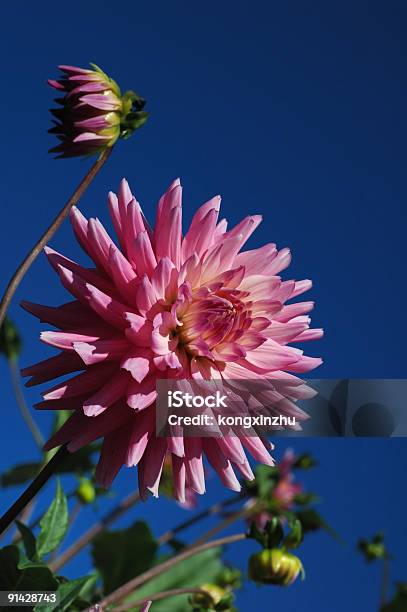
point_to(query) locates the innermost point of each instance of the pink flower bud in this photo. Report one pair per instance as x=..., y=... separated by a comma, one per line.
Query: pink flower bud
x=92, y=114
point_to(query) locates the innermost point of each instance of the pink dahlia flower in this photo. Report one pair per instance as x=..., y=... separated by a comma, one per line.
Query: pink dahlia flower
x=162, y=305
x=93, y=114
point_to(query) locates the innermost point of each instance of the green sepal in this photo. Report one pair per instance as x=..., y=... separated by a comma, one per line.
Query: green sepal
x=295, y=535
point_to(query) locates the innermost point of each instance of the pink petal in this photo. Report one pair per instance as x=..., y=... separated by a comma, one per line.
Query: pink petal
x=83, y=383
x=257, y=449
x=142, y=431
x=178, y=475
x=93, y=428
x=112, y=456
x=109, y=309
x=137, y=362
x=61, y=364
x=200, y=234
x=113, y=390
x=141, y=395
x=151, y=465
x=122, y=272
x=168, y=229
x=270, y=356
x=310, y=334
x=65, y=340
x=293, y=310
x=304, y=364
x=143, y=257
x=194, y=465
x=221, y=465
x=89, y=276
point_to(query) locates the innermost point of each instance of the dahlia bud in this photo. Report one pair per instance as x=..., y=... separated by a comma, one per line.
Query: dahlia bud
x=86, y=491
x=373, y=549
x=275, y=566
x=93, y=113
x=212, y=594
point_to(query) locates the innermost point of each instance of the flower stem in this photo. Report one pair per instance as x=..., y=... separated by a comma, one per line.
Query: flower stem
x=159, y=597
x=37, y=248
x=211, y=511
x=31, y=424
x=242, y=513
x=93, y=531
x=38, y=482
x=385, y=581
x=134, y=583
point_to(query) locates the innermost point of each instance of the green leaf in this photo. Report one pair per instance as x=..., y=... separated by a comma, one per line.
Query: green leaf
x=121, y=555
x=199, y=569
x=311, y=520
x=265, y=482
x=53, y=524
x=67, y=593
x=26, y=576
x=20, y=474
x=29, y=542
x=9, y=557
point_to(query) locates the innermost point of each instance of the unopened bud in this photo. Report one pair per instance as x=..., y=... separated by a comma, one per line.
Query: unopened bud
x=275, y=566
x=92, y=112
x=86, y=491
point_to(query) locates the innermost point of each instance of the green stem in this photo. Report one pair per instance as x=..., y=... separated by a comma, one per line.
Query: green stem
x=242, y=513
x=385, y=581
x=26, y=414
x=46, y=237
x=30, y=492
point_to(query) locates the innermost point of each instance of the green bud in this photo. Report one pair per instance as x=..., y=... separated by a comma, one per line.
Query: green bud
x=275, y=566
x=374, y=549
x=86, y=491
x=211, y=596
x=305, y=462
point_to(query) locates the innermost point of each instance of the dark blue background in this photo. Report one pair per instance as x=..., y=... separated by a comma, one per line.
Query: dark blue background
x=293, y=110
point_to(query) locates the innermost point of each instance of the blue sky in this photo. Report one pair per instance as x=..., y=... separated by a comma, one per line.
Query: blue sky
x=285, y=109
